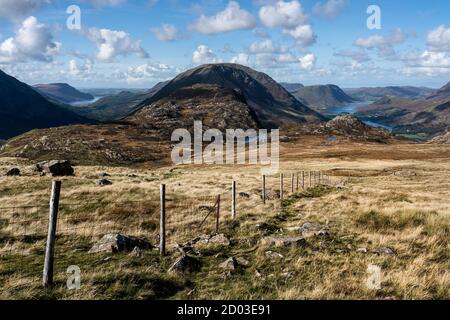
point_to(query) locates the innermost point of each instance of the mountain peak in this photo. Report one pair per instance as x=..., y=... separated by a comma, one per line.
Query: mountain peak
x=62, y=93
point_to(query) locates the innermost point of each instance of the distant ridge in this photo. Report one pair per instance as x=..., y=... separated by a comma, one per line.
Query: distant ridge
x=321, y=97
x=62, y=93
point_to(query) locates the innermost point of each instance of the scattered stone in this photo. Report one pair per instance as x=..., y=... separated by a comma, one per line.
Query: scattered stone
x=103, y=182
x=405, y=173
x=243, y=262
x=220, y=240
x=230, y=264
x=362, y=250
x=14, y=172
x=383, y=250
x=274, y=255
x=55, y=168
x=103, y=175
x=288, y=275
x=265, y=227
x=186, y=264
x=137, y=252
x=116, y=242
x=244, y=195
x=272, y=195
x=283, y=242
x=311, y=229
x=131, y=175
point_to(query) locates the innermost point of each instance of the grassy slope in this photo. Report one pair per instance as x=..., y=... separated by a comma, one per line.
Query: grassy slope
x=367, y=206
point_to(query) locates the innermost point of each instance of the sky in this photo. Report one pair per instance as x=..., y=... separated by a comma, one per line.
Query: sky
x=136, y=44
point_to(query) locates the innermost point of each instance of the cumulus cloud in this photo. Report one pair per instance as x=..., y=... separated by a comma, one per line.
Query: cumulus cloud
x=111, y=43
x=241, y=58
x=231, y=19
x=32, y=41
x=439, y=39
x=384, y=45
x=203, y=55
x=83, y=70
x=150, y=71
x=266, y=46
x=330, y=9
x=18, y=9
x=429, y=63
x=283, y=14
x=358, y=56
x=308, y=61
x=303, y=34
x=167, y=32
x=105, y=3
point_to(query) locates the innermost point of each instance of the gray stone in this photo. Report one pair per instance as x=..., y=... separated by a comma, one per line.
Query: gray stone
x=220, y=240
x=244, y=195
x=274, y=255
x=116, y=242
x=103, y=182
x=283, y=242
x=231, y=264
x=186, y=264
x=55, y=168
x=311, y=229
x=383, y=250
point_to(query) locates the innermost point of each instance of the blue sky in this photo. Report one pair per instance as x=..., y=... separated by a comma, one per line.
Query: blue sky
x=124, y=43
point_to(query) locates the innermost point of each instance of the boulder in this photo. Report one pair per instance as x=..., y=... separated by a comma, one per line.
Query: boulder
x=230, y=264
x=116, y=242
x=103, y=175
x=311, y=229
x=272, y=195
x=266, y=227
x=219, y=239
x=383, y=250
x=103, y=182
x=186, y=264
x=274, y=255
x=14, y=172
x=244, y=195
x=278, y=242
x=55, y=168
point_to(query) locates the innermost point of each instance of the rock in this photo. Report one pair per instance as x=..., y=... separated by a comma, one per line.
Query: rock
x=116, y=242
x=103, y=175
x=220, y=240
x=266, y=227
x=362, y=250
x=14, y=172
x=272, y=195
x=405, y=173
x=311, y=229
x=103, y=182
x=274, y=255
x=55, y=168
x=383, y=250
x=137, y=252
x=283, y=242
x=230, y=264
x=244, y=195
x=186, y=264
x=243, y=262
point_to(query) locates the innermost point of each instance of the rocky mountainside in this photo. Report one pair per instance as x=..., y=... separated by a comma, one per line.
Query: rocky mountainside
x=291, y=87
x=62, y=93
x=442, y=94
x=441, y=139
x=273, y=105
x=23, y=109
x=375, y=93
x=322, y=97
x=351, y=126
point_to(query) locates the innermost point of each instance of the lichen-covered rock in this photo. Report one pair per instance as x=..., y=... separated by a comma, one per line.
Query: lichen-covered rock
x=116, y=242
x=283, y=242
x=55, y=168
x=186, y=264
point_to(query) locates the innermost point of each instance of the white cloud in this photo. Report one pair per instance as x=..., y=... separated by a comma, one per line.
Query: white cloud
x=439, y=39
x=241, y=58
x=329, y=9
x=357, y=56
x=32, y=41
x=303, y=34
x=308, y=61
x=82, y=71
x=430, y=63
x=105, y=3
x=266, y=46
x=384, y=45
x=167, y=32
x=111, y=43
x=231, y=19
x=18, y=9
x=203, y=55
x=283, y=14
x=150, y=71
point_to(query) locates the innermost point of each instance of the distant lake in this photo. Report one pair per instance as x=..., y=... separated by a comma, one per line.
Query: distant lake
x=85, y=102
x=352, y=108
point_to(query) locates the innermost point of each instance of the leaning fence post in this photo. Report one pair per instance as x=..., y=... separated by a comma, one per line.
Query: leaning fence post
x=233, y=200
x=47, y=280
x=264, y=189
x=281, y=186
x=303, y=180
x=218, y=213
x=162, y=221
x=298, y=181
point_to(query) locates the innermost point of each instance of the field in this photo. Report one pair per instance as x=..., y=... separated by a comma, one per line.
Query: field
x=379, y=196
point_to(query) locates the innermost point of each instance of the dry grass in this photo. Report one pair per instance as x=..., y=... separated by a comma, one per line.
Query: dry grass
x=366, y=206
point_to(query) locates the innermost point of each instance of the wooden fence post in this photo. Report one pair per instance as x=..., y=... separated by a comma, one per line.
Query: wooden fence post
x=264, y=189
x=218, y=214
x=310, y=179
x=162, y=221
x=47, y=280
x=281, y=186
x=292, y=183
x=233, y=200
x=303, y=180
x=298, y=182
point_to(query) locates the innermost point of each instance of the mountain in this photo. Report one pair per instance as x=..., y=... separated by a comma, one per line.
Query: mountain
x=321, y=97
x=116, y=106
x=62, y=93
x=291, y=87
x=441, y=94
x=273, y=105
x=375, y=93
x=441, y=139
x=23, y=109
